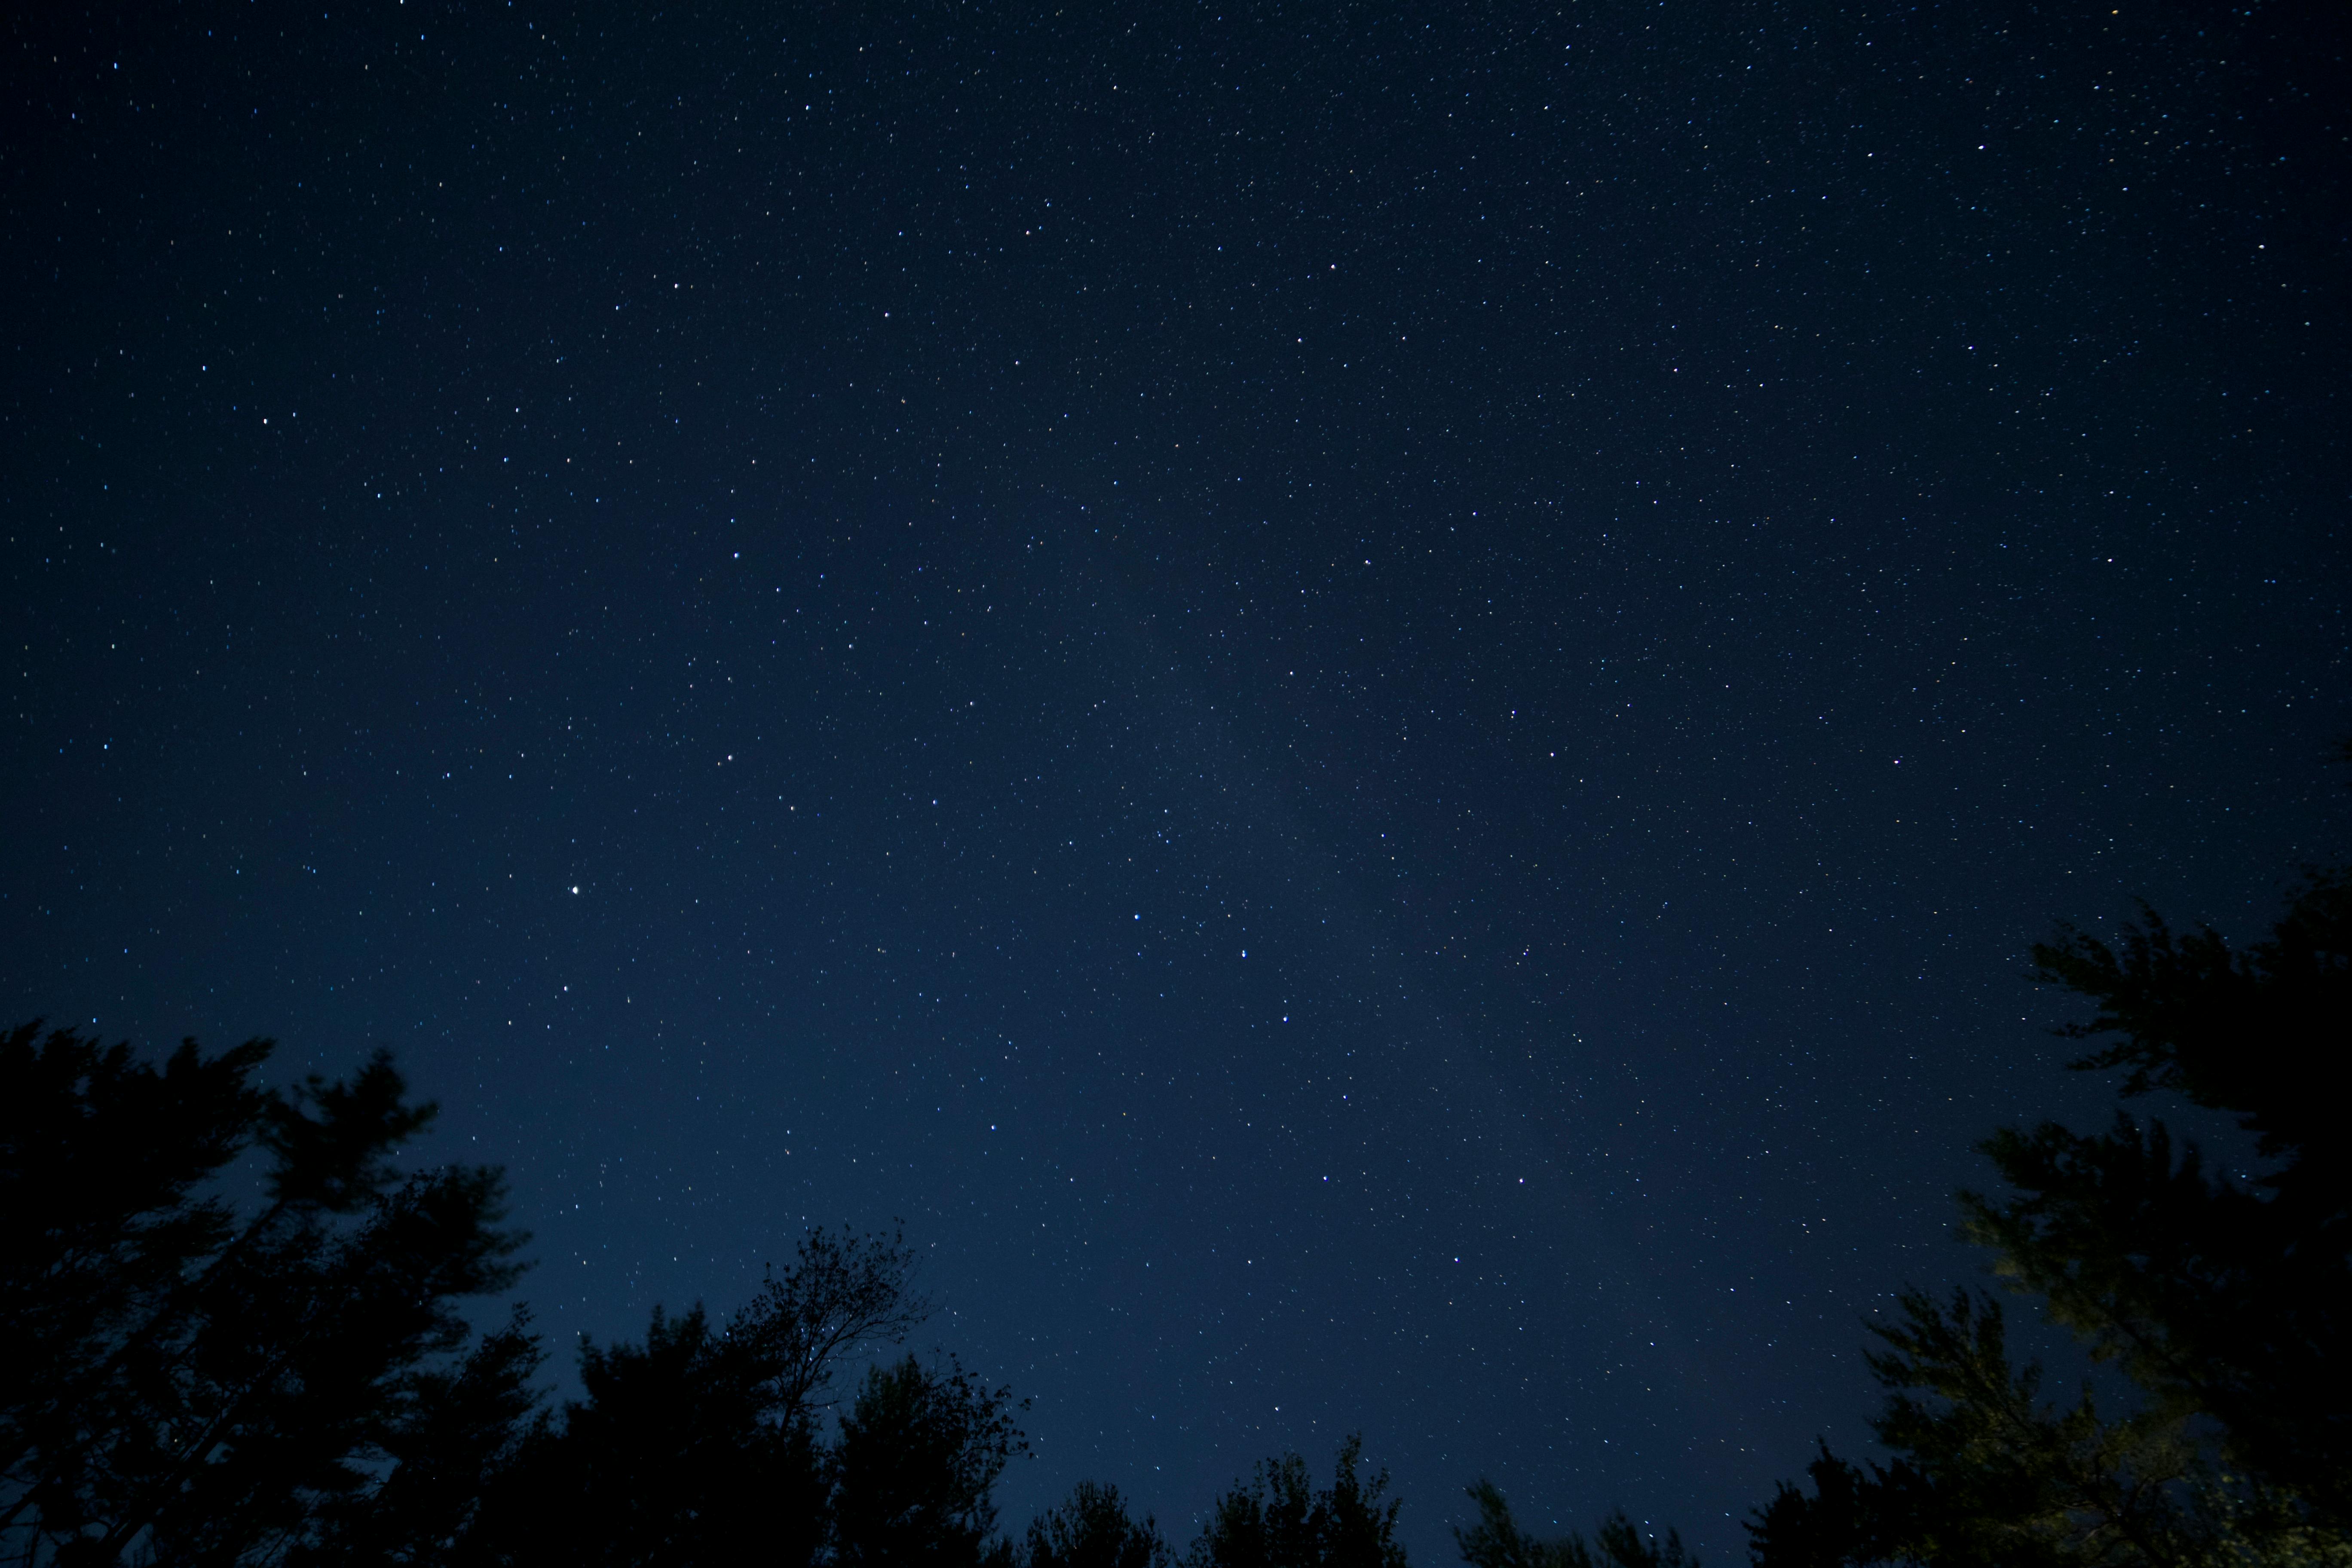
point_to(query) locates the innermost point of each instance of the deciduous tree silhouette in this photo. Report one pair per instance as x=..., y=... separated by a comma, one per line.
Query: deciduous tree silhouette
x=915, y=1466
x=1091, y=1529
x=703, y=1444
x=675, y=1455
x=1497, y=1541
x=1278, y=1520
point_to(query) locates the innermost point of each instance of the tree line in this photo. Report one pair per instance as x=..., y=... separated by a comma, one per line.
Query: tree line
x=189, y=1379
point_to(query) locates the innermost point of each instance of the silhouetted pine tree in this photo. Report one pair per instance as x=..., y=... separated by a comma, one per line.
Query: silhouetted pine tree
x=452, y=1434
x=195, y=1385
x=2226, y=1303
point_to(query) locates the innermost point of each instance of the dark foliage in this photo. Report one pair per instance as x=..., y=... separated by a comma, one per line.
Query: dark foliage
x=197, y=1385
x=1849, y=1516
x=2225, y=1301
x=913, y=1469
x=842, y=1294
x=2249, y=1031
x=675, y=1455
x=192, y=1383
x=1091, y=1530
x=1497, y=1541
x=450, y=1432
x=1988, y=1472
x=701, y=1445
x=101, y=1222
x=2228, y=1299
x=1278, y=1520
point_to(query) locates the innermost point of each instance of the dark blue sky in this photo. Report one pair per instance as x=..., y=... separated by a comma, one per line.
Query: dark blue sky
x=1371, y=703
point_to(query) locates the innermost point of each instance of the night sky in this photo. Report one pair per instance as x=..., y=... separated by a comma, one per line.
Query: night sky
x=1371, y=702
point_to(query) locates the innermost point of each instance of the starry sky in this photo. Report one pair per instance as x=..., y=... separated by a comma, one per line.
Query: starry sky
x=1371, y=703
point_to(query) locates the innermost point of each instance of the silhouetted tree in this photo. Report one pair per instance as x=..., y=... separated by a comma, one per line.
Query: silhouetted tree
x=915, y=1465
x=454, y=1432
x=196, y=1385
x=1850, y=1516
x=1497, y=1541
x=673, y=1456
x=1278, y=1520
x=1091, y=1530
x=101, y=1226
x=1988, y=1472
x=2230, y=1299
x=2226, y=1303
x=702, y=1443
